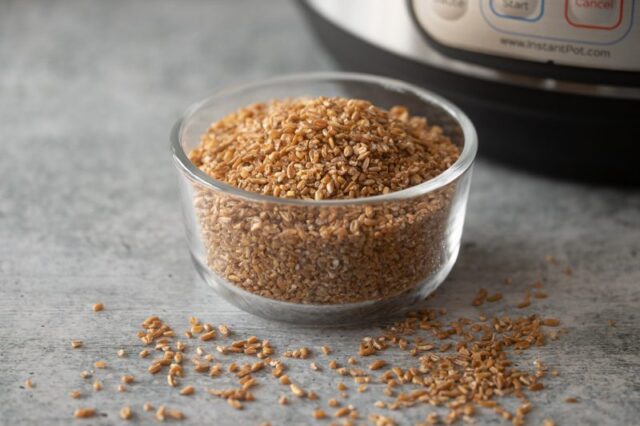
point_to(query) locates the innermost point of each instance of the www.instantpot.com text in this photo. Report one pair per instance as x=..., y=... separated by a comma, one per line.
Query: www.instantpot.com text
x=563, y=48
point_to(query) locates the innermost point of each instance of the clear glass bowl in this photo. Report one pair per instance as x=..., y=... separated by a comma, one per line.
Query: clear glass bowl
x=328, y=261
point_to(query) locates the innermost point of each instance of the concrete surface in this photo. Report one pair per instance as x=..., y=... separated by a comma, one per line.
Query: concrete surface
x=89, y=212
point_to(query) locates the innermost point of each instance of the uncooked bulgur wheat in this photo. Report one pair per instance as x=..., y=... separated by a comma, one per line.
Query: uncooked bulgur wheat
x=324, y=149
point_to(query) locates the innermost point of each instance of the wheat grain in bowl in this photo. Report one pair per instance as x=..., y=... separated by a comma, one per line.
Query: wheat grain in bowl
x=325, y=201
x=323, y=148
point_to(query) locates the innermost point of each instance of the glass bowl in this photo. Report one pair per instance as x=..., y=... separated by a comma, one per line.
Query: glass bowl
x=327, y=261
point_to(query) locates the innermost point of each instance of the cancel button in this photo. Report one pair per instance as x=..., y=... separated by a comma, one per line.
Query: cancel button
x=526, y=9
x=601, y=14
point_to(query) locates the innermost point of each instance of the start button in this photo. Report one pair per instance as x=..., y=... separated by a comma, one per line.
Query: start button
x=596, y=14
x=518, y=9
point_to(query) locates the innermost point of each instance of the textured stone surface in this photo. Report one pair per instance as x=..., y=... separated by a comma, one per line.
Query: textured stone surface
x=89, y=212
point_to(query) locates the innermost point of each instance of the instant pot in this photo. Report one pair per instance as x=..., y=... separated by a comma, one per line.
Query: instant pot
x=553, y=86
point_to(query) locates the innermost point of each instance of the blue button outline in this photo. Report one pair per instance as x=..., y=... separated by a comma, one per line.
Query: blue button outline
x=565, y=40
x=518, y=18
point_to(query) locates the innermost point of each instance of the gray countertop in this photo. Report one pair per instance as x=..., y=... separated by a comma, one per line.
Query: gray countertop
x=89, y=212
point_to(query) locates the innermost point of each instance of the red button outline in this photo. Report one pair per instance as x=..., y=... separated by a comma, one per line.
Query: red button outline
x=593, y=27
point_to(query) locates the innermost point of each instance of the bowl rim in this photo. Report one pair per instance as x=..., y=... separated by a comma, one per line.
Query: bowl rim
x=461, y=165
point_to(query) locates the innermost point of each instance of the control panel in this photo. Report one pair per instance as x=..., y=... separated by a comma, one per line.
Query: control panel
x=587, y=33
